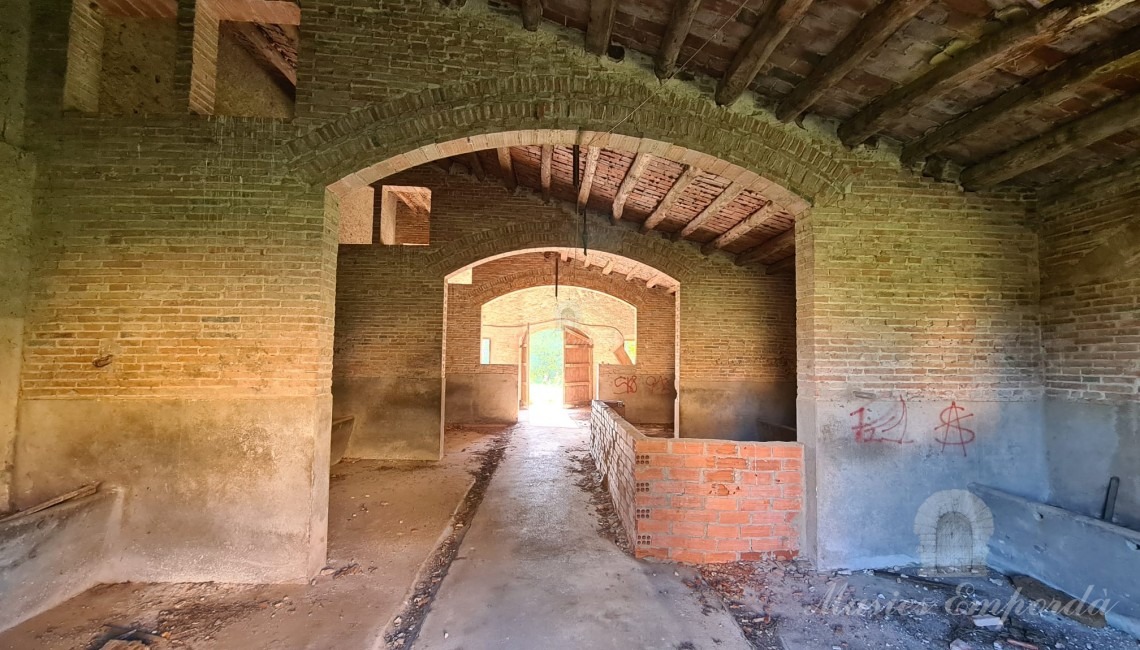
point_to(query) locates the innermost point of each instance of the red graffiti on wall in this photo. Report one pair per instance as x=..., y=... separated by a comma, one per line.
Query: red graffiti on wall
x=889, y=427
x=951, y=433
x=655, y=384
x=625, y=385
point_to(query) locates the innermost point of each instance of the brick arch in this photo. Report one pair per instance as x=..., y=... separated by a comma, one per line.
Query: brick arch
x=675, y=259
x=457, y=118
x=633, y=294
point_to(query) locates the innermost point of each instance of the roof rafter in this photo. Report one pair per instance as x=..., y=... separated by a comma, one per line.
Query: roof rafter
x=774, y=25
x=750, y=223
x=719, y=203
x=601, y=25
x=640, y=163
x=680, y=22
x=768, y=248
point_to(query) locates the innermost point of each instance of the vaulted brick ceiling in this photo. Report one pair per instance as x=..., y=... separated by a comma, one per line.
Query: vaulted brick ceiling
x=1010, y=91
x=654, y=194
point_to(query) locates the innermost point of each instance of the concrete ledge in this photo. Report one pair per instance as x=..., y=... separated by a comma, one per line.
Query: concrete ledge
x=50, y=556
x=1067, y=551
x=487, y=396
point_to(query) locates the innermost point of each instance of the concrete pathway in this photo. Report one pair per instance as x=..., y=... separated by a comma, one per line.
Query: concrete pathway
x=534, y=574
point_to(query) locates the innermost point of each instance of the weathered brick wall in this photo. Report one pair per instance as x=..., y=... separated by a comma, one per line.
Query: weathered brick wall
x=1090, y=310
x=700, y=500
x=919, y=344
x=648, y=395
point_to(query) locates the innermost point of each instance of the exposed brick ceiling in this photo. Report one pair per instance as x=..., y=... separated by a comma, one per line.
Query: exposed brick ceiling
x=708, y=207
x=927, y=40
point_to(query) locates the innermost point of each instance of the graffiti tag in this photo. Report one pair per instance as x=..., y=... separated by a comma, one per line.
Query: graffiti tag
x=891, y=426
x=951, y=433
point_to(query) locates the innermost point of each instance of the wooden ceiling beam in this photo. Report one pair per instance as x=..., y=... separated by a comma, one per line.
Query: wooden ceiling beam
x=601, y=26
x=531, y=14
x=750, y=223
x=865, y=39
x=1056, y=144
x=719, y=203
x=545, y=170
x=1120, y=53
x=609, y=267
x=1043, y=26
x=476, y=165
x=593, y=154
x=259, y=43
x=507, y=168
x=774, y=25
x=680, y=22
x=653, y=281
x=768, y=248
x=640, y=163
x=666, y=204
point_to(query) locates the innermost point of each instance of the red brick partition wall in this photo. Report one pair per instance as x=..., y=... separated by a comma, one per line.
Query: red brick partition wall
x=695, y=500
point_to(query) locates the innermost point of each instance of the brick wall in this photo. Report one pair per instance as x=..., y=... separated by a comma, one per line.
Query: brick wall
x=1090, y=310
x=700, y=500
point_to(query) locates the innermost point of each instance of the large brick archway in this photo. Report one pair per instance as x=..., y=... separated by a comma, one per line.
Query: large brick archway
x=459, y=118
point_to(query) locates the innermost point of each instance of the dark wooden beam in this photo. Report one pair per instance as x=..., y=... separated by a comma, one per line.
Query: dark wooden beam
x=867, y=38
x=545, y=169
x=268, y=43
x=768, y=248
x=719, y=203
x=531, y=14
x=640, y=163
x=587, y=181
x=666, y=204
x=680, y=22
x=601, y=25
x=507, y=168
x=750, y=223
x=774, y=25
x=1120, y=53
x=476, y=165
x=1054, y=145
x=1043, y=26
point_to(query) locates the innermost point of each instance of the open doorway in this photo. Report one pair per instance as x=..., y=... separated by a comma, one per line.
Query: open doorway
x=556, y=368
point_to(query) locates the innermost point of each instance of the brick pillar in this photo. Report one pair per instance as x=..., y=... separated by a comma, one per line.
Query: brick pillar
x=84, y=58
x=197, y=68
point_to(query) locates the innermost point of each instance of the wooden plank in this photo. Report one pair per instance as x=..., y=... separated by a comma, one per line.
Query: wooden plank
x=592, y=156
x=1118, y=54
x=719, y=203
x=866, y=38
x=786, y=265
x=506, y=167
x=1054, y=145
x=258, y=43
x=653, y=282
x=609, y=267
x=666, y=204
x=774, y=25
x=770, y=247
x=680, y=22
x=750, y=223
x=545, y=169
x=640, y=163
x=601, y=26
x=86, y=490
x=1043, y=26
x=476, y=165
x=531, y=14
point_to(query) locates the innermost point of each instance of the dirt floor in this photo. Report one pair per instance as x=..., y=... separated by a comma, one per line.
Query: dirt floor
x=788, y=606
x=385, y=518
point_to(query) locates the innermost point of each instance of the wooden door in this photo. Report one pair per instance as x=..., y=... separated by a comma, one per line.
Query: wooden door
x=524, y=370
x=577, y=362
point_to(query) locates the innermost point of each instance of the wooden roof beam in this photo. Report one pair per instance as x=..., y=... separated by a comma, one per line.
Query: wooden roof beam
x=476, y=165
x=1043, y=26
x=640, y=163
x=768, y=248
x=531, y=14
x=592, y=156
x=1054, y=145
x=865, y=39
x=507, y=168
x=545, y=170
x=1119, y=53
x=609, y=267
x=666, y=204
x=680, y=22
x=750, y=223
x=653, y=281
x=782, y=266
x=774, y=25
x=601, y=26
x=719, y=203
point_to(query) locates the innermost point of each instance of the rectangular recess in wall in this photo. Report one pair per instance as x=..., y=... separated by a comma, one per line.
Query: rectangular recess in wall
x=405, y=215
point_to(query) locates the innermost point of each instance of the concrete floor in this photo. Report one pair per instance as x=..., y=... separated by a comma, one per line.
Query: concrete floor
x=385, y=518
x=533, y=572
